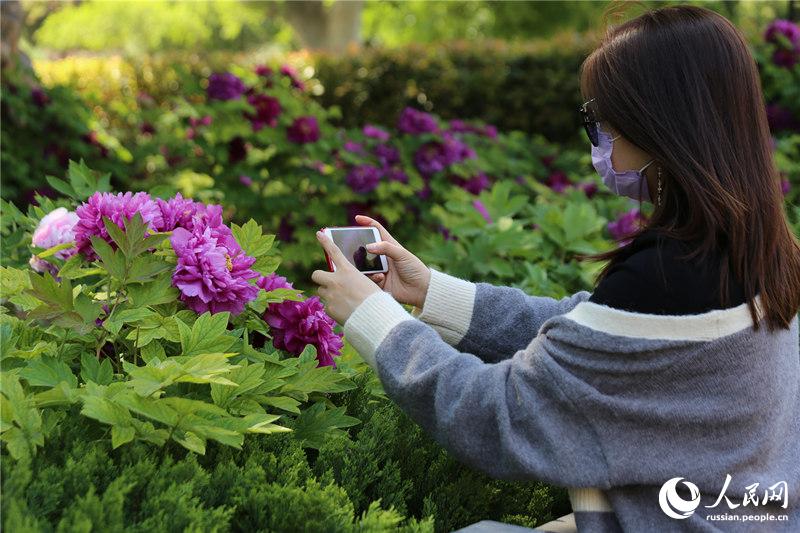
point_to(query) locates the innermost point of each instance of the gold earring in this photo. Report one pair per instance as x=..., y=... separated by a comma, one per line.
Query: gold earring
x=659, y=187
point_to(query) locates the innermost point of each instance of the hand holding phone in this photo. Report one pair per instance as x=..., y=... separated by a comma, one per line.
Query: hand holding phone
x=408, y=278
x=352, y=241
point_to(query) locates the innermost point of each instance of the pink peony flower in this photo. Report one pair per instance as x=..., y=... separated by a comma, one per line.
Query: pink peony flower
x=363, y=178
x=289, y=71
x=57, y=227
x=177, y=212
x=119, y=208
x=212, y=271
x=294, y=325
x=303, y=130
x=558, y=181
x=415, y=122
x=625, y=225
x=375, y=132
x=268, y=109
x=480, y=208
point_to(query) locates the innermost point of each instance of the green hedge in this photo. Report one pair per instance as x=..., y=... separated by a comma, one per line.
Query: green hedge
x=514, y=87
x=385, y=475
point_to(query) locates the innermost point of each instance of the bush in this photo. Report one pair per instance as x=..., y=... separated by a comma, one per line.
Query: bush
x=515, y=87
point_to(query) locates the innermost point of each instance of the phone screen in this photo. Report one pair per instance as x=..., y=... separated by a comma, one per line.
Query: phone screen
x=352, y=243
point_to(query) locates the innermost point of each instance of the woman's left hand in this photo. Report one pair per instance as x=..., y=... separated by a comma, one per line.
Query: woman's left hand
x=344, y=290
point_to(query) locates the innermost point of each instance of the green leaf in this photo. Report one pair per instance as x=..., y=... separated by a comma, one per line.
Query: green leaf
x=158, y=291
x=63, y=187
x=48, y=372
x=85, y=182
x=146, y=268
x=121, y=435
x=54, y=249
x=96, y=371
x=266, y=264
x=117, y=235
x=207, y=334
x=46, y=289
x=113, y=260
x=315, y=423
x=251, y=239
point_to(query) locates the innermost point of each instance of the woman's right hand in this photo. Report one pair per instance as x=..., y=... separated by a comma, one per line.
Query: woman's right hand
x=408, y=278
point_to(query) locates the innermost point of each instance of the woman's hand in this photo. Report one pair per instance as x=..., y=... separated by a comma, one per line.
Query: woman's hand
x=408, y=278
x=344, y=290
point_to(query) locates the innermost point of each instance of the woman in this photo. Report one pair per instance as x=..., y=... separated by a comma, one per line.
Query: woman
x=667, y=397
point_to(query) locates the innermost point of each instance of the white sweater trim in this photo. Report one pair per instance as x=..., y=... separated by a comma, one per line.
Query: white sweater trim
x=371, y=321
x=704, y=326
x=448, y=306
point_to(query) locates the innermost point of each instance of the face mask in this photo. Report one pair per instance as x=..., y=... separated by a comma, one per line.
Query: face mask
x=623, y=183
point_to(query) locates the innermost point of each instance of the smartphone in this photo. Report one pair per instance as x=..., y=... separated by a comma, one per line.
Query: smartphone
x=352, y=241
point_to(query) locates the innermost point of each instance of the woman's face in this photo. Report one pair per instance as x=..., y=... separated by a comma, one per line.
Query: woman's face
x=627, y=156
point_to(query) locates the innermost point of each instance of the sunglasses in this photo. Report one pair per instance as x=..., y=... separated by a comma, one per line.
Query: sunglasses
x=589, y=123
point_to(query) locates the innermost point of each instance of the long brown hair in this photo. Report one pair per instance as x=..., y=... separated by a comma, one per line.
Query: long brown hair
x=680, y=83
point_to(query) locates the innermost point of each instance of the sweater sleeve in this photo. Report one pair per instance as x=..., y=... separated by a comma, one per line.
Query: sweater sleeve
x=462, y=311
x=511, y=420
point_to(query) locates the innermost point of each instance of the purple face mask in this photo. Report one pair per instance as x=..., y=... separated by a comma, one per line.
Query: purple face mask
x=625, y=183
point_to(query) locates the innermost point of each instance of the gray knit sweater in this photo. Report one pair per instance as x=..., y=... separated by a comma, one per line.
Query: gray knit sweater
x=612, y=404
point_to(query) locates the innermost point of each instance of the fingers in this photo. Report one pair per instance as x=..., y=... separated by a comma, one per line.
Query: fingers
x=364, y=220
x=333, y=251
x=390, y=249
x=321, y=277
x=378, y=279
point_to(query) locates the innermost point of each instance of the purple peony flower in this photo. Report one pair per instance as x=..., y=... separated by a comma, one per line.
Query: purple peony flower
x=237, y=150
x=625, y=224
x=39, y=97
x=212, y=271
x=426, y=190
x=416, y=122
x=203, y=121
x=395, y=174
x=289, y=71
x=780, y=118
x=387, y=155
x=303, y=130
x=786, y=58
x=272, y=282
x=285, y=232
x=245, y=180
x=787, y=28
x=119, y=208
x=430, y=158
x=480, y=208
x=354, y=147
x=460, y=126
x=263, y=70
x=224, y=86
x=56, y=227
x=268, y=109
x=785, y=55
x=363, y=178
x=474, y=185
x=294, y=325
x=375, y=132
x=589, y=189
x=433, y=157
x=177, y=212
x=558, y=181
